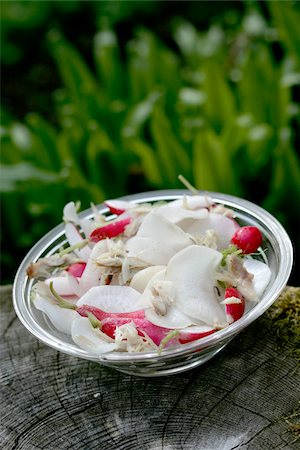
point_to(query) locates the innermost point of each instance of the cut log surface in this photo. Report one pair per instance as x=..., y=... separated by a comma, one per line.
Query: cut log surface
x=241, y=399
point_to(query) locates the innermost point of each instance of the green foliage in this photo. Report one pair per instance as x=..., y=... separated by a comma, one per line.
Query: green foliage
x=220, y=111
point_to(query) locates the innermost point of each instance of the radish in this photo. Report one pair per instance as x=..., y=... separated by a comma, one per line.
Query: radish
x=92, y=273
x=142, y=278
x=262, y=274
x=248, y=239
x=62, y=285
x=76, y=269
x=234, y=304
x=101, y=315
x=113, y=299
x=194, y=333
x=75, y=239
x=89, y=338
x=118, y=207
x=61, y=318
x=192, y=202
x=110, y=230
x=192, y=272
x=156, y=334
x=224, y=227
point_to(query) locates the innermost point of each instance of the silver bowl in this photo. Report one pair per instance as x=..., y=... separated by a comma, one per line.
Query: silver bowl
x=279, y=253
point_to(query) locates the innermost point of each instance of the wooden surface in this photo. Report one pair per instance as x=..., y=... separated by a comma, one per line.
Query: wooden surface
x=241, y=399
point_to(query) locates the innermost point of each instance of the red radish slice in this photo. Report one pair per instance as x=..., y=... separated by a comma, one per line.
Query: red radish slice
x=248, y=239
x=101, y=315
x=157, y=334
x=194, y=333
x=61, y=318
x=234, y=303
x=91, y=339
x=118, y=207
x=113, y=299
x=110, y=230
x=76, y=269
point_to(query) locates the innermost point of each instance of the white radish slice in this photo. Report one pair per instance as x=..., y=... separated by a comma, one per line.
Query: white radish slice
x=61, y=318
x=156, y=227
x=89, y=338
x=177, y=215
x=193, y=202
x=62, y=285
x=150, y=251
x=261, y=272
x=192, y=272
x=74, y=237
x=92, y=272
x=224, y=227
x=112, y=299
x=174, y=318
x=70, y=215
x=142, y=278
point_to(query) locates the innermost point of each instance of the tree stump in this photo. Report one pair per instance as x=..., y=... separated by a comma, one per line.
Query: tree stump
x=244, y=398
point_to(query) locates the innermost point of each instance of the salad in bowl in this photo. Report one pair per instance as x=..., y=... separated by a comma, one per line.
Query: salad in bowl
x=145, y=283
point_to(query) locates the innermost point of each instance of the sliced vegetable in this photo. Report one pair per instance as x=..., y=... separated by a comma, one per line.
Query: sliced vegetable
x=111, y=230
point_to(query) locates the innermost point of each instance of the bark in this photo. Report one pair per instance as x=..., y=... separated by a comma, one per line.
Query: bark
x=239, y=400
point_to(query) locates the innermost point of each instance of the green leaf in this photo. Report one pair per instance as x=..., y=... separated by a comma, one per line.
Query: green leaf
x=220, y=106
x=139, y=114
x=172, y=157
x=211, y=164
x=13, y=175
x=78, y=79
x=148, y=160
x=45, y=136
x=108, y=64
x=286, y=17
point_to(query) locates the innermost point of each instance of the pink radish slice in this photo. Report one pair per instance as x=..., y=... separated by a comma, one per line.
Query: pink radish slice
x=77, y=269
x=118, y=207
x=111, y=230
x=89, y=338
x=154, y=332
x=101, y=315
x=234, y=303
x=194, y=333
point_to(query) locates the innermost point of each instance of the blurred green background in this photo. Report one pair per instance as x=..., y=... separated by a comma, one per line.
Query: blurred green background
x=102, y=99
